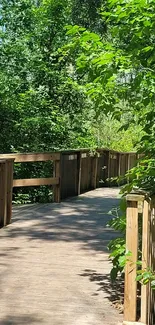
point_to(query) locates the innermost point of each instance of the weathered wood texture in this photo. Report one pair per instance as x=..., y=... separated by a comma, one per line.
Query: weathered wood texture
x=31, y=157
x=9, y=167
x=151, y=295
x=130, y=297
x=78, y=171
x=86, y=170
x=83, y=170
x=36, y=181
x=94, y=172
x=3, y=193
x=6, y=180
x=145, y=260
x=79, y=165
x=142, y=206
x=102, y=171
x=57, y=187
x=69, y=169
x=7, y=183
x=124, y=164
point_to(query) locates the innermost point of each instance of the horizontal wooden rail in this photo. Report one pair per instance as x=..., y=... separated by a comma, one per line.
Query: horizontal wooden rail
x=31, y=157
x=35, y=181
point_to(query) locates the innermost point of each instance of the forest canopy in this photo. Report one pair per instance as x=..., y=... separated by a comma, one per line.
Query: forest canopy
x=76, y=74
x=53, y=94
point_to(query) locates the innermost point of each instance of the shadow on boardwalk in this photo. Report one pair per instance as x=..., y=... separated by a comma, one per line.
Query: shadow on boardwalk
x=54, y=267
x=82, y=219
x=20, y=320
x=114, y=290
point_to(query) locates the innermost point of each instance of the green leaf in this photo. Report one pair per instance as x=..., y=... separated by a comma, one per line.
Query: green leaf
x=139, y=277
x=153, y=284
x=113, y=274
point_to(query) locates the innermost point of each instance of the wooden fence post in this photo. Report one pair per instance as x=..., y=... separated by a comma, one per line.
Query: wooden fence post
x=94, y=171
x=3, y=193
x=130, y=297
x=9, y=168
x=109, y=168
x=151, y=303
x=57, y=173
x=119, y=164
x=145, y=261
x=128, y=163
x=79, y=164
x=128, y=166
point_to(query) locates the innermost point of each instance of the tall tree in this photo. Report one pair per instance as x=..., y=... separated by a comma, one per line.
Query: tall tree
x=40, y=104
x=116, y=70
x=87, y=13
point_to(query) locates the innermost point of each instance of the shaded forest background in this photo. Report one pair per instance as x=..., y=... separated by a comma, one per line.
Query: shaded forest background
x=74, y=74
x=42, y=107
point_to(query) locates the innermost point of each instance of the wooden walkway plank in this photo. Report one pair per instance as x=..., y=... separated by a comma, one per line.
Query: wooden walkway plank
x=54, y=266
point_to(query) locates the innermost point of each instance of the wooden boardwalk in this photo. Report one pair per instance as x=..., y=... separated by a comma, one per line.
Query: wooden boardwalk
x=54, y=267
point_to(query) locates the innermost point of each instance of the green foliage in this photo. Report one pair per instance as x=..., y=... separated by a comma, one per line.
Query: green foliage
x=142, y=177
x=106, y=132
x=57, y=88
x=118, y=254
x=86, y=13
x=43, y=194
x=41, y=108
x=117, y=72
x=117, y=246
x=146, y=276
x=21, y=198
x=91, y=83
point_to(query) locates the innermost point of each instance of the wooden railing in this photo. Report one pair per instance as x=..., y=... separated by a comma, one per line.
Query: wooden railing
x=7, y=181
x=6, y=185
x=83, y=170
x=73, y=172
x=140, y=237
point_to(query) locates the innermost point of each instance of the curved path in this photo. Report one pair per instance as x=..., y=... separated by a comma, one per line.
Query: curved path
x=54, y=267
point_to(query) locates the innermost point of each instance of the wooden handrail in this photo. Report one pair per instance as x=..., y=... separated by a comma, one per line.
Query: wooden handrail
x=36, y=182
x=31, y=157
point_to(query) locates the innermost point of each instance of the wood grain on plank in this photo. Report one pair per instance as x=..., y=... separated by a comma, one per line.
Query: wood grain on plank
x=145, y=260
x=31, y=157
x=35, y=181
x=130, y=297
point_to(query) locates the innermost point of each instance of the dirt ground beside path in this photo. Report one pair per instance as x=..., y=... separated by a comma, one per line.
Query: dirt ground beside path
x=54, y=267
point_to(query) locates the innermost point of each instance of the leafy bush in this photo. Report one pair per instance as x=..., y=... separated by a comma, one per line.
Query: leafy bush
x=141, y=179
x=117, y=246
x=146, y=276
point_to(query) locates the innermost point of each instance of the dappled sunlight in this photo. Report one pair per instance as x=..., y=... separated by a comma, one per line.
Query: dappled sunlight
x=69, y=221
x=46, y=254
